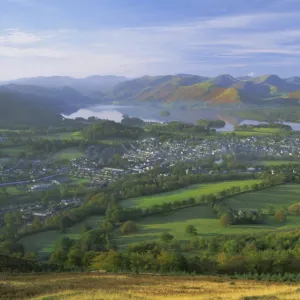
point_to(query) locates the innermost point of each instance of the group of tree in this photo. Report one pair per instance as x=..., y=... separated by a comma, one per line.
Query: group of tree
x=273, y=253
x=211, y=123
x=179, y=127
x=132, y=121
x=105, y=129
x=248, y=127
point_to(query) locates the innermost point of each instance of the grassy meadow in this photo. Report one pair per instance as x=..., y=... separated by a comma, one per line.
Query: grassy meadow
x=68, y=154
x=88, y=286
x=278, y=196
x=43, y=242
x=184, y=193
x=206, y=223
x=273, y=163
x=63, y=135
x=13, y=151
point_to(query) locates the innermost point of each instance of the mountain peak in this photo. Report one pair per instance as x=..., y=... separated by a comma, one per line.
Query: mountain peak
x=224, y=80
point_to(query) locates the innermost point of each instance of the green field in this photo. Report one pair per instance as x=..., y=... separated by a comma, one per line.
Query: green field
x=77, y=181
x=272, y=163
x=278, y=196
x=13, y=151
x=68, y=154
x=203, y=218
x=185, y=193
x=43, y=242
x=64, y=135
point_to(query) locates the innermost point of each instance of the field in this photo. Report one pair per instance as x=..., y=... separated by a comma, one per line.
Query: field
x=43, y=242
x=87, y=286
x=68, y=154
x=63, y=136
x=206, y=223
x=259, y=132
x=185, y=193
x=13, y=151
x=272, y=163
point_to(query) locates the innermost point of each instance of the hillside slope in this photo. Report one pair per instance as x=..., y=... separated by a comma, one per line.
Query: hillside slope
x=86, y=286
x=21, y=109
x=223, y=89
x=61, y=99
x=93, y=86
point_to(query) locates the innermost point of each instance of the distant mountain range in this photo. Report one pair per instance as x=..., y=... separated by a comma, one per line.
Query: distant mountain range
x=92, y=86
x=223, y=89
x=60, y=94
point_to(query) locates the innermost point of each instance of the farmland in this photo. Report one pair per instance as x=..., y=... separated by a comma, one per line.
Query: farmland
x=14, y=151
x=278, y=196
x=272, y=163
x=206, y=223
x=63, y=136
x=43, y=242
x=68, y=154
x=84, y=286
x=185, y=193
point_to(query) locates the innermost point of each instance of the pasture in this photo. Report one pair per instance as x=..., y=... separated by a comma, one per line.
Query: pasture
x=206, y=222
x=68, y=154
x=184, y=193
x=14, y=151
x=272, y=163
x=63, y=135
x=43, y=242
x=278, y=196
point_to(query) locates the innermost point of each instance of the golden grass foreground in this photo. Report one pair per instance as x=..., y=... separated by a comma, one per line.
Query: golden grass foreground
x=89, y=286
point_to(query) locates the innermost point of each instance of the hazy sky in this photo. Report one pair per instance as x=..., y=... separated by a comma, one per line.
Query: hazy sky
x=138, y=37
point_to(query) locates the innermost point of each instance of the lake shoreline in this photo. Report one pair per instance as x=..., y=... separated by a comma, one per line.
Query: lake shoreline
x=115, y=112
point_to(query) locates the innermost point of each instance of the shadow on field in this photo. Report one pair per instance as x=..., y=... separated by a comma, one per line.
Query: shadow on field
x=125, y=240
x=154, y=230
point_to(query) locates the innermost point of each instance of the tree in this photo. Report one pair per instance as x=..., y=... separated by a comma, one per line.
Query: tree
x=166, y=237
x=294, y=209
x=225, y=220
x=128, y=227
x=75, y=257
x=271, y=210
x=65, y=222
x=4, y=189
x=280, y=216
x=191, y=230
x=37, y=223
x=86, y=228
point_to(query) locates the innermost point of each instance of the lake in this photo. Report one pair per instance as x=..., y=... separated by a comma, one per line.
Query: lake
x=115, y=113
x=152, y=114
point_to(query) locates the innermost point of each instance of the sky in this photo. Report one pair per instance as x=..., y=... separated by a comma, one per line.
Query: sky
x=149, y=37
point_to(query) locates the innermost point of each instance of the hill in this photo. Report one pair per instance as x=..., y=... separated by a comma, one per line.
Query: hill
x=92, y=86
x=24, y=109
x=223, y=89
x=190, y=89
x=86, y=286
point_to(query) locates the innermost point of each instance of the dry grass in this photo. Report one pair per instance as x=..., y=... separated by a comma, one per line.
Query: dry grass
x=88, y=286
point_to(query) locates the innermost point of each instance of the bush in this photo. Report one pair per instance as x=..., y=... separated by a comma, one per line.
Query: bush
x=128, y=227
x=294, y=209
x=190, y=229
x=166, y=237
x=280, y=216
x=225, y=220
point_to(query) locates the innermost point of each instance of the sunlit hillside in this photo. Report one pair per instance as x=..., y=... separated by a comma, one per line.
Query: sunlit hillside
x=88, y=286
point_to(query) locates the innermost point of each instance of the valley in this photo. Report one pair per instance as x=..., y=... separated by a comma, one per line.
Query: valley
x=186, y=185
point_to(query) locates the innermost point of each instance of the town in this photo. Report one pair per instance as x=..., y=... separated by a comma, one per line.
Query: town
x=100, y=166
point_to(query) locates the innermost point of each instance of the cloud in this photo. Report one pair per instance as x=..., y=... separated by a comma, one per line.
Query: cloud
x=31, y=52
x=202, y=45
x=15, y=36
